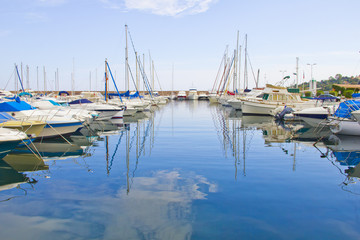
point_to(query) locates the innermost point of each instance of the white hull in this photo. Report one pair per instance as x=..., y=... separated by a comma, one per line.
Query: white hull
x=130, y=111
x=356, y=114
x=235, y=103
x=257, y=108
x=54, y=129
x=193, y=97
x=345, y=127
x=118, y=115
x=108, y=114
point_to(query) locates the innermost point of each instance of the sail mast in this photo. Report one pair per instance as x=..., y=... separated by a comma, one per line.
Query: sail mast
x=106, y=81
x=236, y=64
x=126, y=61
x=245, y=67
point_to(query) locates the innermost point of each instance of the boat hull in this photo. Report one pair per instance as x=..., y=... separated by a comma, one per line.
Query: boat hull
x=258, y=108
x=54, y=129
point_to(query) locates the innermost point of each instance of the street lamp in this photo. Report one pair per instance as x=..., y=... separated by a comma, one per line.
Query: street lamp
x=311, y=65
x=283, y=71
x=312, y=84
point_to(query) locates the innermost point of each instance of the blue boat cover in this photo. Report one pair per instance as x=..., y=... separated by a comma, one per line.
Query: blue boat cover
x=63, y=93
x=15, y=106
x=356, y=95
x=324, y=98
x=80, y=101
x=4, y=117
x=25, y=94
x=345, y=108
x=348, y=158
x=125, y=94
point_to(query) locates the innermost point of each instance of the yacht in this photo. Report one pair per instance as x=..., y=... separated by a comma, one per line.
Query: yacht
x=274, y=97
x=181, y=95
x=192, y=95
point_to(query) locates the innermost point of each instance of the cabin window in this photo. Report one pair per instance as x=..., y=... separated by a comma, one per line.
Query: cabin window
x=266, y=96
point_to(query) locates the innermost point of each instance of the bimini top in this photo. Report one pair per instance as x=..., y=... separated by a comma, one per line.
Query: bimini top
x=345, y=108
x=4, y=117
x=15, y=106
x=64, y=93
x=80, y=101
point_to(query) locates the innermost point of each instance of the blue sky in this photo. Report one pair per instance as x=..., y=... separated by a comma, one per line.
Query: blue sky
x=191, y=34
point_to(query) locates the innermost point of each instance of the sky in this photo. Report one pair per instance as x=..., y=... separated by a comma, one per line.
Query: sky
x=186, y=40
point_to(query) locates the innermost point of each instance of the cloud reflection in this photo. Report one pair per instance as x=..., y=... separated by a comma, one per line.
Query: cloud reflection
x=158, y=206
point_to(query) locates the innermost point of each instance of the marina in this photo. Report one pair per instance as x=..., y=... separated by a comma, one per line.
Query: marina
x=184, y=170
x=181, y=119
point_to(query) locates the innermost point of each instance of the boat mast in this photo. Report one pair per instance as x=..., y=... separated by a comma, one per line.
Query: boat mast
x=152, y=76
x=126, y=61
x=257, y=79
x=297, y=72
x=27, y=77
x=137, y=74
x=57, y=77
x=106, y=81
x=236, y=63
x=44, y=81
x=22, y=76
x=37, y=78
x=245, y=67
x=172, y=81
x=73, y=78
x=90, y=81
x=239, y=54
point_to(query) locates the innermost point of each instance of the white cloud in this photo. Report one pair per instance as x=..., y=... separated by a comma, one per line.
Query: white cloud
x=164, y=7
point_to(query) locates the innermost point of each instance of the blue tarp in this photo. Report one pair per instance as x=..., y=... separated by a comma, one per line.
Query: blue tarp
x=348, y=158
x=80, y=101
x=4, y=117
x=63, y=92
x=356, y=95
x=15, y=106
x=325, y=98
x=25, y=94
x=125, y=94
x=345, y=108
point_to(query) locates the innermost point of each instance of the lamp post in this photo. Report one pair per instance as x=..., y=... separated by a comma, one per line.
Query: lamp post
x=282, y=71
x=312, y=81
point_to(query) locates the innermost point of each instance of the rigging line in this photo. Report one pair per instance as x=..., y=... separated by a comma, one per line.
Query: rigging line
x=107, y=64
x=227, y=75
x=132, y=138
x=142, y=71
x=9, y=79
x=113, y=156
x=217, y=75
x=252, y=70
x=145, y=79
x=132, y=78
x=157, y=78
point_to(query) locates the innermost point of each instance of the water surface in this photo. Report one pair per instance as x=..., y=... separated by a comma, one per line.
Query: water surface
x=189, y=170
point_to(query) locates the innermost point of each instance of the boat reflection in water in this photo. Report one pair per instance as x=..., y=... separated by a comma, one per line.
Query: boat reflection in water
x=9, y=177
x=18, y=169
x=345, y=150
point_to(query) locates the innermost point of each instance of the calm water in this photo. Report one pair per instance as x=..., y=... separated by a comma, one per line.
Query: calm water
x=186, y=171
